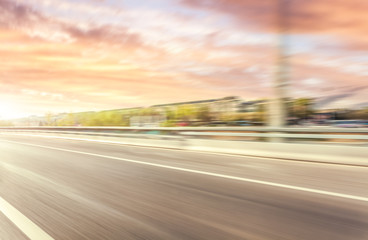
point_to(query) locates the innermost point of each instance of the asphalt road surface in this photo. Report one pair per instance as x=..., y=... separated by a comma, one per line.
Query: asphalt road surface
x=68, y=189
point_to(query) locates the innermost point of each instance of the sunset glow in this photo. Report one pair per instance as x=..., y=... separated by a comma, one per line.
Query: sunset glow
x=10, y=111
x=82, y=55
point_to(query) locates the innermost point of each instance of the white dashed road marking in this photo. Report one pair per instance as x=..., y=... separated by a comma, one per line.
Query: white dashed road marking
x=29, y=228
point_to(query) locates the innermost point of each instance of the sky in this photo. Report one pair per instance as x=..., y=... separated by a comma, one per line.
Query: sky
x=82, y=55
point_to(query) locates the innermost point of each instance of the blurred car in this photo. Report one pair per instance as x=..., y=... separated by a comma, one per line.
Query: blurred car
x=216, y=124
x=350, y=123
x=239, y=123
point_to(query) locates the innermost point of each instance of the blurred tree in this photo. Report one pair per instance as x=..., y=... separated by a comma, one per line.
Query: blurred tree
x=204, y=114
x=148, y=112
x=168, y=123
x=125, y=118
x=249, y=116
x=261, y=114
x=357, y=114
x=103, y=118
x=302, y=108
x=83, y=118
x=186, y=112
x=170, y=114
x=49, y=119
x=229, y=117
x=67, y=120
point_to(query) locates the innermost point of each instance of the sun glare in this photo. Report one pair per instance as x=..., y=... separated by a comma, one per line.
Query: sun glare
x=10, y=111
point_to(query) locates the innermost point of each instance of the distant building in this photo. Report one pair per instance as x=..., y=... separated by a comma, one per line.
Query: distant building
x=154, y=116
x=226, y=105
x=216, y=106
x=123, y=110
x=147, y=121
x=251, y=106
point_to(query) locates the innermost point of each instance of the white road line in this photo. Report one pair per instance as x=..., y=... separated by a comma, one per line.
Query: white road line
x=29, y=228
x=285, y=186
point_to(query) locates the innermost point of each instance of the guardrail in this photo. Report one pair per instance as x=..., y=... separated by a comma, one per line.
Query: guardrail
x=355, y=136
x=319, y=144
x=315, y=129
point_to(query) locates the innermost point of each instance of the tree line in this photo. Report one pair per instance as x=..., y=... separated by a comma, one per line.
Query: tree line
x=192, y=114
x=189, y=113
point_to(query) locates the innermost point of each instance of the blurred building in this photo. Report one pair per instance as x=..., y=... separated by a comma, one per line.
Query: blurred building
x=200, y=112
x=147, y=121
x=216, y=106
x=252, y=106
x=325, y=114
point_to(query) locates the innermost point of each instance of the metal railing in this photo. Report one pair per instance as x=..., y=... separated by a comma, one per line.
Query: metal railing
x=354, y=136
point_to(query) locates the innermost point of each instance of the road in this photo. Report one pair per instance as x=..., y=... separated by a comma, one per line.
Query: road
x=68, y=189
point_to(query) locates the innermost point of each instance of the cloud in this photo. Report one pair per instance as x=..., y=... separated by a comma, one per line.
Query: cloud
x=330, y=85
x=106, y=34
x=24, y=17
x=74, y=9
x=301, y=15
x=345, y=21
x=156, y=55
x=346, y=97
x=13, y=14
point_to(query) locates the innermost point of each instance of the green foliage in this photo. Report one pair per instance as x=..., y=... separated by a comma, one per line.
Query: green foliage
x=147, y=112
x=229, y=117
x=104, y=118
x=301, y=108
x=169, y=123
x=67, y=120
x=261, y=113
x=186, y=112
x=49, y=120
x=170, y=114
x=204, y=114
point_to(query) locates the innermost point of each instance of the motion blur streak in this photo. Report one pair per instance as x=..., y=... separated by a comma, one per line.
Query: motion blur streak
x=207, y=173
x=78, y=196
x=22, y=222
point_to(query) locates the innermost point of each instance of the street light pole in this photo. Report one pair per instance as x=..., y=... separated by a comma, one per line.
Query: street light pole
x=277, y=106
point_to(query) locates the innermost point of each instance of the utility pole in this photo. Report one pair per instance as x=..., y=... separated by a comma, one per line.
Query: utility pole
x=277, y=106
